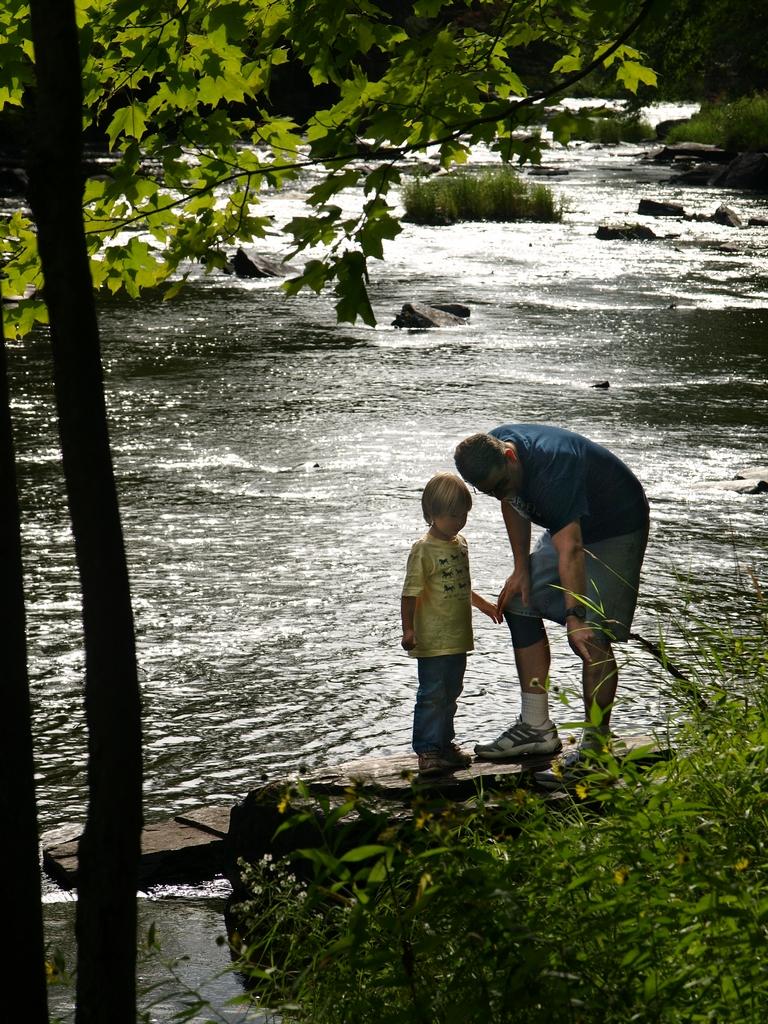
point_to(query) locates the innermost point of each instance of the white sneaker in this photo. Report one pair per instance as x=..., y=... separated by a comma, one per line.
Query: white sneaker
x=520, y=739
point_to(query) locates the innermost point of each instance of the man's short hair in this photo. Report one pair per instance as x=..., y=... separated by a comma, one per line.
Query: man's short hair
x=478, y=456
x=444, y=494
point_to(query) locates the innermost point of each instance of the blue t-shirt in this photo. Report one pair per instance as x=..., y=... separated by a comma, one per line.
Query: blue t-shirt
x=568, y=477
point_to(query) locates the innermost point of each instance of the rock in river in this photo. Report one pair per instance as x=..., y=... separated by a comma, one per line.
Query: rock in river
x=624, y=232
x=416, y=316
x=750, y=480
x=654, y=208
x=250, y=264
x=748, y=170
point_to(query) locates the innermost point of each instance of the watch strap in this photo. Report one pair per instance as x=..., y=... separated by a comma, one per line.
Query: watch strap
x=578, y=611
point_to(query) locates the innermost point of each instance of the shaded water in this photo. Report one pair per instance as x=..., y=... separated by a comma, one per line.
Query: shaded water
x=270, y=462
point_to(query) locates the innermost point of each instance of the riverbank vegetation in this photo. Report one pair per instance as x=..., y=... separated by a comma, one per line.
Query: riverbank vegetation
x=497, y=194
x=609, y=128
x=740, y=126
x=641, y=895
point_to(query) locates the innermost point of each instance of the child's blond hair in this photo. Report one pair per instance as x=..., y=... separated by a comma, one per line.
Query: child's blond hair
x=445, y=493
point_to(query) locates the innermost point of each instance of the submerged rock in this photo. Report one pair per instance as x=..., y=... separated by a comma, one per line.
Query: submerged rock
x=416, y=316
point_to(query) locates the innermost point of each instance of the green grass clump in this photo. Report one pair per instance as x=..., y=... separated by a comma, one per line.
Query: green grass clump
x=643, y=896
x=491, y=195
x=741, y=126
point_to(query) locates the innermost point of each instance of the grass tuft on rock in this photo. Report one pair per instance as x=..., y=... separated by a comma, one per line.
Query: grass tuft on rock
x=492, y=195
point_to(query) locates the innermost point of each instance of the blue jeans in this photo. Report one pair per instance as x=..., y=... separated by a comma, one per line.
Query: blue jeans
x=440, y=683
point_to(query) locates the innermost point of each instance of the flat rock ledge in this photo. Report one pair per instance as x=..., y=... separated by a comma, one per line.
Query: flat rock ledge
x=188, y=848
x=201, y=844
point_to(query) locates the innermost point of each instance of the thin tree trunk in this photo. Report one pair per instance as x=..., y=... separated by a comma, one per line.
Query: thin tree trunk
x=24, y=955
x=110, y=845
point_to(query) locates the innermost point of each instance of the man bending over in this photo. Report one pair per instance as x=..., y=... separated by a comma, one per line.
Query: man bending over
x=583, y=572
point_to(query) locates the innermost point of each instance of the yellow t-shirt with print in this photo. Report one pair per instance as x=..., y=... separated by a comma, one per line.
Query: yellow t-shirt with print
x=437, y=575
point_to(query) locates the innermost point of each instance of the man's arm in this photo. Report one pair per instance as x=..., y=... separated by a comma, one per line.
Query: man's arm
x=572, y=568
x=519, y=533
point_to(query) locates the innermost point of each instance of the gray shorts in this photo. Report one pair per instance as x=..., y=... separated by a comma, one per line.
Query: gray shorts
x=613, y=577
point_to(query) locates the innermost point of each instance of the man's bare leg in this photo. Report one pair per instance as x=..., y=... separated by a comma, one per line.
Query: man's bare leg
x=599, y=681
x=533, y=666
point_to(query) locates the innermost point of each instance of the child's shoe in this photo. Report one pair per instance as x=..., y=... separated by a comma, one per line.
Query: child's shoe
x=456, y=756
x=436, y=762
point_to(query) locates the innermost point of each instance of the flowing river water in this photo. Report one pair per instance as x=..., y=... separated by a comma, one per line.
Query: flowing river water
x=270, y=461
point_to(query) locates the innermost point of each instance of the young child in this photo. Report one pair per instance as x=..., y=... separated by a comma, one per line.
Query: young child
x=436, y=611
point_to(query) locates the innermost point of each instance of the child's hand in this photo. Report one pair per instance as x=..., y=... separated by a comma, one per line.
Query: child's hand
x=488, y=609
x=409, y=640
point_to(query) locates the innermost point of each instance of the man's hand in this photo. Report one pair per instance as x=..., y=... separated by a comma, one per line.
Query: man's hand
x=409, y=640
x=581, y=637
x=518, y=583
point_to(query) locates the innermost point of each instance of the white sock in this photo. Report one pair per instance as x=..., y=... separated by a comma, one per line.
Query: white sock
x=534, y=708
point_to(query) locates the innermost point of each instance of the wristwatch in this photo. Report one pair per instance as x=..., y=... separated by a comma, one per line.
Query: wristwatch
x=578, y=611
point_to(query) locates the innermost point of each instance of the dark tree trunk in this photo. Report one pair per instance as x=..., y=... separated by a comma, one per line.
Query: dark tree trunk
x=110, y=845
x=24, y=955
